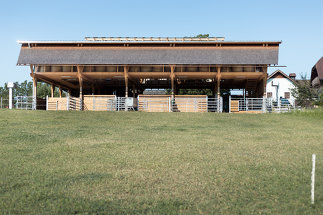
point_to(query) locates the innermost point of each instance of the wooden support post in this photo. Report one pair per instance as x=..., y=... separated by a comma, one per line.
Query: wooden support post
x=133, y=90
x=218, y=76
x=265, y=81
x=60, y=91
x=125, y=70
x=172, y=77
x=79, y=74
x=34, y=87
x=81, y=87
x=52, y=88
x=33, y=70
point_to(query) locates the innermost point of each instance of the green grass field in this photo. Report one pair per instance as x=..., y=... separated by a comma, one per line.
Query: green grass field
x=159, y=163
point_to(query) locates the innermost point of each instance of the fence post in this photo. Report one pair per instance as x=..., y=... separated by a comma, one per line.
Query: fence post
x=313, y=178
x=47, y=102
x=10, y=86
x=221, y=104
x=33, y=103
x=81, y=104
x=263, y=104
x=230, y=104
x=169, y=105
x=1, y=103
x=68, y=102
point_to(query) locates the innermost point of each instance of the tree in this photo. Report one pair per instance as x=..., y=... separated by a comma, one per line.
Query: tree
x=202, y=36
x=25, y=88
x=304, y=94
x=4, y=92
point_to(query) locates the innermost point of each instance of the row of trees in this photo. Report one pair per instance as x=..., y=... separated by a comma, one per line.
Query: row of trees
x=305, y=95
x=26, y=89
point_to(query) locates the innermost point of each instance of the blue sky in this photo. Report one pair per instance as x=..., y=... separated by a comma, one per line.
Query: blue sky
x=298, y=24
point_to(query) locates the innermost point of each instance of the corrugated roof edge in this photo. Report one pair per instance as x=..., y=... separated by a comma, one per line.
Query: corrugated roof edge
x=109, y=42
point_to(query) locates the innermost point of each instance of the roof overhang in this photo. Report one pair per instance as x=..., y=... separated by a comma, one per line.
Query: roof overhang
x=200, y=51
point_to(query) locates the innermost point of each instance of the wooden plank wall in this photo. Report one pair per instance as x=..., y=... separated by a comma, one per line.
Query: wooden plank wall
x=191, y=103
x=99, y=102
x=234, y=106
x=154, y=103
x=57, y=103
x=183, y=103
x=61, y=103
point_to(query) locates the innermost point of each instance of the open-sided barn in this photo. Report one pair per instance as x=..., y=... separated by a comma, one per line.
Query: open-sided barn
x=114, y=69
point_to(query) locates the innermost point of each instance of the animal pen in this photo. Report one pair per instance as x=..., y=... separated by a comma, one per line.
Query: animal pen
x=111, y=74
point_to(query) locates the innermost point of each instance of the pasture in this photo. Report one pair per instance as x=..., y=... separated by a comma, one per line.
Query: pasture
x=159, y=163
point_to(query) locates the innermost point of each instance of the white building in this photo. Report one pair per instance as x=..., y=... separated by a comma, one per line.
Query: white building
x=280, y=85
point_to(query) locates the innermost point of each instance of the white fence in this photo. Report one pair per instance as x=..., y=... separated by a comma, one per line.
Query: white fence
x=151, y=104
x=4, y=103
x=25, y=102
x=215, y=105
x=259, y=105
x=279, y=107
x=247, y=104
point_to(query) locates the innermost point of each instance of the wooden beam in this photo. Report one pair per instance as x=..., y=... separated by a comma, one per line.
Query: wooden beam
x=59, y=74
x=60, y=91
x=195, y=75
x=34, y=86
x=32, y=74
x=32, y=68
x=189, y=75
x=103, y=75
x=218, y=82
x=240, y=75
x=58, y=82
x=149, y=74
x=265, y=81
x=125, y=70
x=80, y=72
x=172, y=77
x=79, y=75
x=52, y=87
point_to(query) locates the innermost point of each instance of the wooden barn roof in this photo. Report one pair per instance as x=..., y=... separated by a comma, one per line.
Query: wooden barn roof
x=317, y=70
x=279, y=72
x=144, y=53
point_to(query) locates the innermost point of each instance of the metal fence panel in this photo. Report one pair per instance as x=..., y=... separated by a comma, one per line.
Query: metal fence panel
x=4, y=103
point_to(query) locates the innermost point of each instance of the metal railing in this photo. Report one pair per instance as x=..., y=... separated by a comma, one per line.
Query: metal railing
x=279, y=106
x=166, y=104
x=4, y=103
x=215, y=105
x=259, y=105
x=247, y=104
x=103, y=104
x=25, y=102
